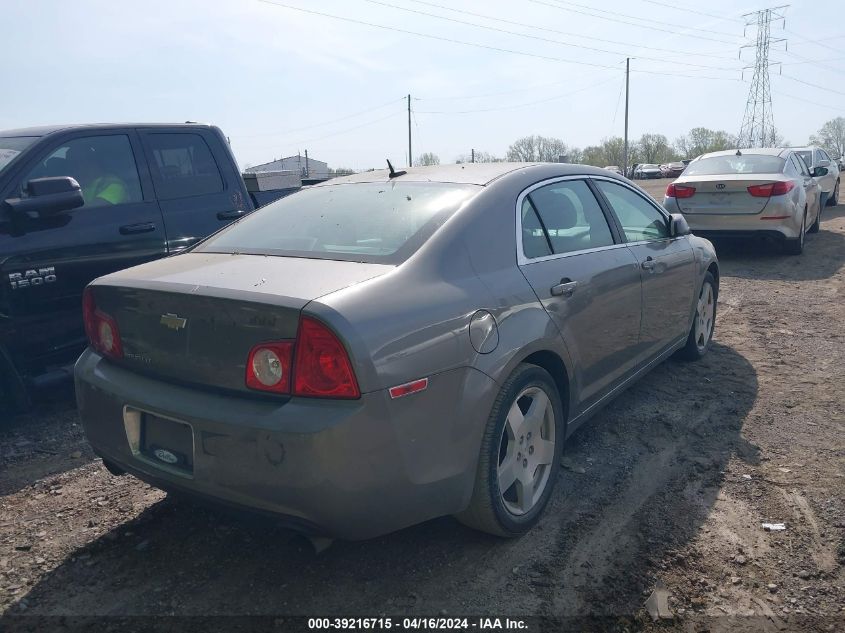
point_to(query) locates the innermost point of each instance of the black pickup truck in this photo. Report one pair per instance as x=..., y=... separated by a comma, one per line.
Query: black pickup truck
x=81, y=201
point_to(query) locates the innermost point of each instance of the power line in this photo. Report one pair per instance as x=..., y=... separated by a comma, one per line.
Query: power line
x=674, y=31
x=528, y=36
x=816, y=103
x=518, y=105
x=689, y=10
x=807, y=83
x=462, y=42
x=323, y=123
x=567, y=33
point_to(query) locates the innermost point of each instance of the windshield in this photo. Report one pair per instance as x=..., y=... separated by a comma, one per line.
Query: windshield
x=745, y=164
x=11, y=146
x=366, y=222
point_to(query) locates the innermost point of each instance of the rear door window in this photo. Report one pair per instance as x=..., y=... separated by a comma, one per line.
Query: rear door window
x=567, y=218
x=183, y=166
x=104, y=166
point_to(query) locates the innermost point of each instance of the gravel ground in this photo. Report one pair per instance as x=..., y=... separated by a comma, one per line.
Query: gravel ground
x=668, y=486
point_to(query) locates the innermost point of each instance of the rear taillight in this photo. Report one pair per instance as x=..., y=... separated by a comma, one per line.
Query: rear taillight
x=268, y=367
x=679, y=191
x=771, y=189
x=101, y=328
x=316, y=365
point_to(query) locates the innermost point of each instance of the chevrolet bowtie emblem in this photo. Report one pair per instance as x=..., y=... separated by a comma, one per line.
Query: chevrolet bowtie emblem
x=173, y=321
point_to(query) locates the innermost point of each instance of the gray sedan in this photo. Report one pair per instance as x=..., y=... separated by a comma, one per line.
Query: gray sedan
x=386, y=348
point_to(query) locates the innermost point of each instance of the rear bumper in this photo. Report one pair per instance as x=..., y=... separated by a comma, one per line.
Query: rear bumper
x=726, y=225
x=351, y=469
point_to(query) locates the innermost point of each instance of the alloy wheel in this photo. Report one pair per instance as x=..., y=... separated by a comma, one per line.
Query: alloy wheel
x=526, y=450
x=704, y=318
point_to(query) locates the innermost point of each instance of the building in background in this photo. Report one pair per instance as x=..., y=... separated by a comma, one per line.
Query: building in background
x=309, y=169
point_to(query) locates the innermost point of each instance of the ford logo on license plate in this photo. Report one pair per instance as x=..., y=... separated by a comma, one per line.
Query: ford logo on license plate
x=165, y=455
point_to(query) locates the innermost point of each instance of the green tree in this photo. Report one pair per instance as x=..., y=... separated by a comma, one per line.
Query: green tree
x=654, y=148
x=535, y=148
x=701, y=140
x=480, y=157
x=427, y=158
x=611, y=151
x=831, y=136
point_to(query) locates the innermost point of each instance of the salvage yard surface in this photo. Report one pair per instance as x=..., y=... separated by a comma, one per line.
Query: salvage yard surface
x=669, y=484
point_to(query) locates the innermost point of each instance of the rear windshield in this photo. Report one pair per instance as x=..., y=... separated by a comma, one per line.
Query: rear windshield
x=745, y=164
x=11, y=146
x=366, y=222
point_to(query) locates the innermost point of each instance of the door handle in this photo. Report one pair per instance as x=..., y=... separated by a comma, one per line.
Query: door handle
x=230, y=215
x=565, y=288
x=648, y=264
x=143, y=227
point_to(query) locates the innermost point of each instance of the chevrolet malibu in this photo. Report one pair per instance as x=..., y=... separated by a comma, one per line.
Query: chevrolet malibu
x=390, y=347
x=750, y=192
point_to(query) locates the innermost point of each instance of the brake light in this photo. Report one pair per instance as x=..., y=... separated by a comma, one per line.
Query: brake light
x=100, y=328
x=679, y=191
x=321, y=365
x=771, y=189
x=315, y=365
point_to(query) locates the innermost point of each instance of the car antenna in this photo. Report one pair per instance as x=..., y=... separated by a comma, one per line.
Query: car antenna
x=739, y=152
x=393, y=172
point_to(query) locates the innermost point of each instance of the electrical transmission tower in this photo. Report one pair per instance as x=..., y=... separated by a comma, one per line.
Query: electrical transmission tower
x=758, y=128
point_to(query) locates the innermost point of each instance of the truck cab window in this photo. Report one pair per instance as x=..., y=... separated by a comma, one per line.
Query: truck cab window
x=104, y=167
x=183, y=166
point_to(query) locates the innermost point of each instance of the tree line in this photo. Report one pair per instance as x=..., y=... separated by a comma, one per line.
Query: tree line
x=649, y=148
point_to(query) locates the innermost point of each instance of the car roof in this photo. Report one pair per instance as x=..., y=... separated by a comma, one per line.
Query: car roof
x=44, y=130
x=752, y=151
x=464, y=173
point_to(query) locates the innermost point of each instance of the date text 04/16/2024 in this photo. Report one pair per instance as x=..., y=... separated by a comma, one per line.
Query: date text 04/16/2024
x=417, y=623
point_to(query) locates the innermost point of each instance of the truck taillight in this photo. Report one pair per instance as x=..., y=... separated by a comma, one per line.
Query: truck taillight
x=771, y=189
x=101, y=328
x=315, y=365
x=679, y=191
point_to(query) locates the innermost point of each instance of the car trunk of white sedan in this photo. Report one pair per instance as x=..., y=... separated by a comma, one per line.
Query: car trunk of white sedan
x=197, y=323
x=724, y=194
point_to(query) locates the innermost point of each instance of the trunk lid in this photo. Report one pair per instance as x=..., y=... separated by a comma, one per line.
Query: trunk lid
x=724, y=194
x=194, y=318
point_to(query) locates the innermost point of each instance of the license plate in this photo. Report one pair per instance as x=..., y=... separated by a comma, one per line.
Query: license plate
x=167, y=442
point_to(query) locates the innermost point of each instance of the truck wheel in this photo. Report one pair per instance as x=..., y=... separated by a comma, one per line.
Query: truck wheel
x=14, y=395
x=520, y=453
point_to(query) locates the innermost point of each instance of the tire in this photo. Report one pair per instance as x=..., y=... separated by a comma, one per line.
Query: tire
x=796, y=246
x=704, y=322
x=514, y=511
x=814, y=228
x=833, y=200
x=14, y=396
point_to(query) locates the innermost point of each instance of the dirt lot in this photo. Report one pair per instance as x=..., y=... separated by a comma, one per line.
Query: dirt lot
x=670, y=484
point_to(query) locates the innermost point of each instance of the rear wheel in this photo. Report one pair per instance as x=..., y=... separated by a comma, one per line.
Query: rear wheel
x=703, y=323
x=520, y=452
x=833, y=200
x=796, y=246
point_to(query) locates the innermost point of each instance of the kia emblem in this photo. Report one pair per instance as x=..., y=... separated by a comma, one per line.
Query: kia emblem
x=720, y=186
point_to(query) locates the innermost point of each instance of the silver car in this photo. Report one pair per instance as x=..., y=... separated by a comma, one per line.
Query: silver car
x=391, y=347
x=817, y=157
x=749, y=192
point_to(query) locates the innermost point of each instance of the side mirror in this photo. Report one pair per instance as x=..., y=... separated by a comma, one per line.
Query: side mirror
x=818, y=172
x=678, y=226
x=48, y=196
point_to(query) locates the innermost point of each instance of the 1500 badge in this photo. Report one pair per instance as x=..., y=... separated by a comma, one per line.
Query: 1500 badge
x=33, y=277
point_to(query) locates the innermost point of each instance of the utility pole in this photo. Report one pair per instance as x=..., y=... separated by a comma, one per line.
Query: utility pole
x=473, y=155
x=307, y=171
x=758, y=126
x=410, y=154
x=627, y=77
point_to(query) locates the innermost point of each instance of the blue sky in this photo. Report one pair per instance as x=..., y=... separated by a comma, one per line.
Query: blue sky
x=278, y=80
